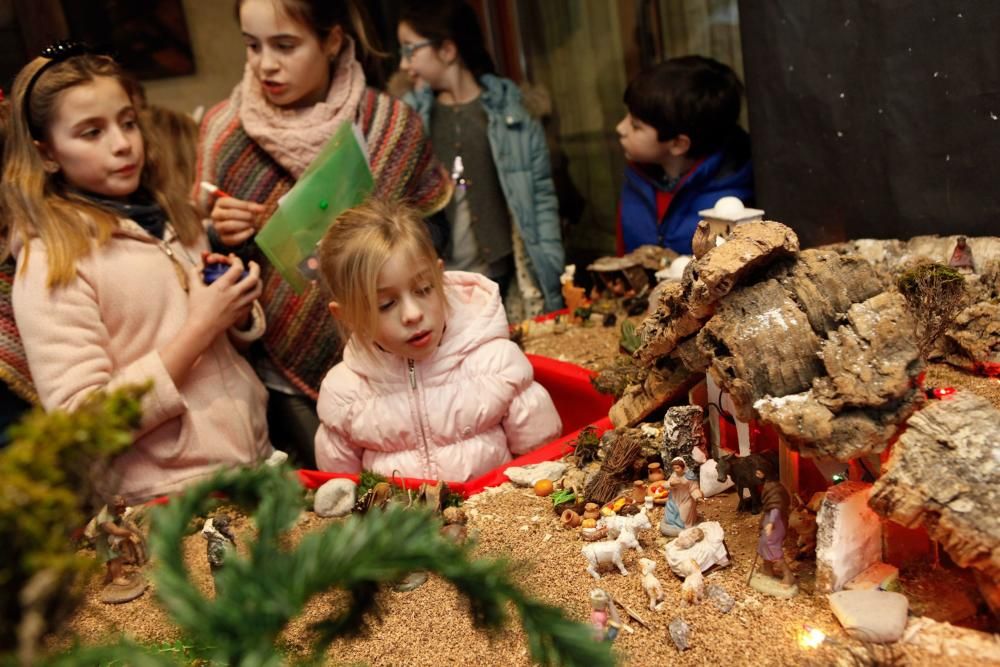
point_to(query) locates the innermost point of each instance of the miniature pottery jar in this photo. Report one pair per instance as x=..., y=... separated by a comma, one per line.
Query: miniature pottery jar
x=591, y=511
x=655, y=472
x=570, y=519
x=638, y=492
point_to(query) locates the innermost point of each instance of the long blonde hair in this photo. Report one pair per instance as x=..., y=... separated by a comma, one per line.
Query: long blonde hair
x=351, y=255
x=40, y=204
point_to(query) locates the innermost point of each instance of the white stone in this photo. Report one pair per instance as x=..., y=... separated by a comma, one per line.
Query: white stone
x=848, y=536
x=529, y=474
x=873, y=616
x=335, y=498
x=708, y=479
x=881, y=576
x=277, y=458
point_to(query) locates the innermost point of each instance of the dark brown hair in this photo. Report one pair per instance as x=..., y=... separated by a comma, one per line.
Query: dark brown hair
x=455, y=20
x=691, y=95
x=322, y=16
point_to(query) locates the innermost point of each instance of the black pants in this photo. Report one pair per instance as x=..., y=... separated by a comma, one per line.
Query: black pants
x=292, y=423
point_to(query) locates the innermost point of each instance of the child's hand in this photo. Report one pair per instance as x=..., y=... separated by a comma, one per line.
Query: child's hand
x=236, y=220
x=227, y=301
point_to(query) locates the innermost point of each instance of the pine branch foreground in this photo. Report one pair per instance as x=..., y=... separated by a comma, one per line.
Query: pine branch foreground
x=262, y=593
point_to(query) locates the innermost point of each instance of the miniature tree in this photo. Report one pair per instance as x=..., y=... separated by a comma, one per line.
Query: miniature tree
x=935, y=294
x=262, y=593
x=46, y=473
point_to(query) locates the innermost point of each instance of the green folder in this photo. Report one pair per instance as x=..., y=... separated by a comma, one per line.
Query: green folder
x=336, y=180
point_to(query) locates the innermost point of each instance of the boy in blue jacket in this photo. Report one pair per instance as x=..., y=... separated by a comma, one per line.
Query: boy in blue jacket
x=684, y=148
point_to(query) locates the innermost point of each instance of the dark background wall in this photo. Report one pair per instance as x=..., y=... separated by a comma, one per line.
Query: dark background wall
x=875, y=119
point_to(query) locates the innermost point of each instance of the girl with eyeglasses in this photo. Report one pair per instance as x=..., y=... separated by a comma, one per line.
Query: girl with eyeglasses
x=504, y=213
x=109, y=291
x=302, y=81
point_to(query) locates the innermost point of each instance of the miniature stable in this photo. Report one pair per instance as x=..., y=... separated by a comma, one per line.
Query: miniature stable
x=880, y=467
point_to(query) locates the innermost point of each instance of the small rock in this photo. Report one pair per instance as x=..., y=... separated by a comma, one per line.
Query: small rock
x=456, y=532
x=276, y=458
x=335, y=498
x=872, y=616
x=722, y=600
x=410, y=582
x=680, y=633
x=529, y=474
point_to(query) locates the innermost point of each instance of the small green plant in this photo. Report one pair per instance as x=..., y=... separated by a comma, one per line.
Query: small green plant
x=562, y=496
x=449, y=498
x=368, y=479
x=935, y=294
x=587, y=445
x=630, y=340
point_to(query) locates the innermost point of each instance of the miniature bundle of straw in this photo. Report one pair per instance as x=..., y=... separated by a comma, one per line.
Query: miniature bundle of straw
x=618, y=457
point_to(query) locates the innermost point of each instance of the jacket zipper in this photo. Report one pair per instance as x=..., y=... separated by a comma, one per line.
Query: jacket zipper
x=411, y=365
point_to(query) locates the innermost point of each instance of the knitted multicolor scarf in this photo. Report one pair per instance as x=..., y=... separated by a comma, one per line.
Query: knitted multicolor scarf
x=301, y=338
x=13, y=362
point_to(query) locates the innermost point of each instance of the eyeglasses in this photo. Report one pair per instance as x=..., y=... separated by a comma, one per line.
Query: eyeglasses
x=406, y=50
x=56, y=53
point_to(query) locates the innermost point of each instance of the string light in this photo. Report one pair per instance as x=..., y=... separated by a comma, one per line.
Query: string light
x=810, y=637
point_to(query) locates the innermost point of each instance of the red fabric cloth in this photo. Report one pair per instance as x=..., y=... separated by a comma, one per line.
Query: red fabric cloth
x=578, y=403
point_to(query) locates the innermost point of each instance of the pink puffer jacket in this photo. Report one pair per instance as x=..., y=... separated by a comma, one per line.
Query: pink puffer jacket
x=469, y=407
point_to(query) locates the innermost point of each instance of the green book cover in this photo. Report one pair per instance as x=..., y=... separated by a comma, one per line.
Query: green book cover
x=336, y=180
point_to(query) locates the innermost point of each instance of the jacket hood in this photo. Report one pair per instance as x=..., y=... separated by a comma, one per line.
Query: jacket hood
x=475, y=315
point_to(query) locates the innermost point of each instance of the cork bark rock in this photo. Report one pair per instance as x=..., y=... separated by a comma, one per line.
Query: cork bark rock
x=825, y=285
x=761, y=344
x=944, y=473
x=669, y=322
x=975, y=337
x=683, y=430
x=749, y=246
x=668, y=380
x=866, y=389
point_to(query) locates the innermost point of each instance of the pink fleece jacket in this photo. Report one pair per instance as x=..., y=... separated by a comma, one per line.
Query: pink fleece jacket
x=468, y=408
x=103, y=331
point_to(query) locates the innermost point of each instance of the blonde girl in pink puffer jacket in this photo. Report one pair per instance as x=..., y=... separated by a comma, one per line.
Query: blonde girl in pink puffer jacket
x=430, y=384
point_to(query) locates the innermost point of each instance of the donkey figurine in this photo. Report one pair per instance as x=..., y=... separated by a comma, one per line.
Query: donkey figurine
x=741, y=469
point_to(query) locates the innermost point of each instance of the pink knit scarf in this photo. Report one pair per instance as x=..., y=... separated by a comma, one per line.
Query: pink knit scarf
x=293, y=137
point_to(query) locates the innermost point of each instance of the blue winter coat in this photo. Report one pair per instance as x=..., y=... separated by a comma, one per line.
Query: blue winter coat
x=521, y=156
x=727, y=172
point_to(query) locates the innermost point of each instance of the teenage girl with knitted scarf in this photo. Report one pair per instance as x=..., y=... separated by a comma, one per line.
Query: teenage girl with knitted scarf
x=17, y=392
x=109, y=289
x=301, y=82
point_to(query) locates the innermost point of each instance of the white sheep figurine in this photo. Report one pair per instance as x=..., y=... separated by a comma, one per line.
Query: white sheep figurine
x=606, y=552
x=651, y=585
x=693, y=588
x=623, y=528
